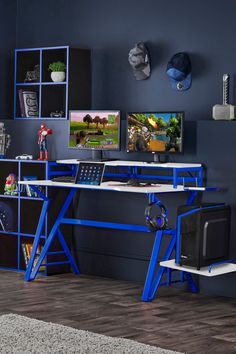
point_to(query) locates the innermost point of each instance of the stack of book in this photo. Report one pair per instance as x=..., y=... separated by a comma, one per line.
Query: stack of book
x=28, y=103
x=26, y=249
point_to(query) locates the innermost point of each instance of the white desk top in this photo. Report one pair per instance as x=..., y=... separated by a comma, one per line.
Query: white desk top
x=216, y=270
x=138, y=164
x=109, y=186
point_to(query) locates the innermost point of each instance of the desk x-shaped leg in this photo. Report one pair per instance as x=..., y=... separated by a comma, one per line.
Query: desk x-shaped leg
x=32, y=268
x=154, y=276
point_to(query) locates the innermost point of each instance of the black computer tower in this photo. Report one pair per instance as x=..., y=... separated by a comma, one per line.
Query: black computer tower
x=204, y=234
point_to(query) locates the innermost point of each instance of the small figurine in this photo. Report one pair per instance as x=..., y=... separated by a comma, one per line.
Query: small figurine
x=5, y=141
x=57, y=114
x=11, y=185
x=42, y=141
x=33, y=75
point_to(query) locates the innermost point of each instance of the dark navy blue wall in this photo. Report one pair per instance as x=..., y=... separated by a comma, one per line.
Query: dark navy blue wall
x=7, y=44
x=206, y=30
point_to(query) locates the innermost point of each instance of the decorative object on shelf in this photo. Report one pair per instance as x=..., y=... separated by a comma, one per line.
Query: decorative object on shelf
x=224, y=111
x=33, y=75
x=11, y=185
x=42, y=141
x=179, y=71
x=58, y=69
x=5, y=141
x=6, y=217
x=57, y=114
x=29, y=191
x=24, y=157
x=28, y=103
x=139, y=60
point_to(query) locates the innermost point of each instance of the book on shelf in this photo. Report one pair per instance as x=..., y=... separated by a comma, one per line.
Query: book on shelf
x=21, y=101
x=26, y=259
x=28, y=103
x=27, y=249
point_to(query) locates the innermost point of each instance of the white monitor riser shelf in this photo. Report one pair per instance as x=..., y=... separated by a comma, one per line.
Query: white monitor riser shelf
x=127, y=163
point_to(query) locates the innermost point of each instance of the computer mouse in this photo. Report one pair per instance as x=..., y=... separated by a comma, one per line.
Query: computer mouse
x=133, y=182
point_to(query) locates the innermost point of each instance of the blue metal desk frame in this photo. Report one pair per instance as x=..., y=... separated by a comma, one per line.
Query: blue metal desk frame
x=154, y=275
x=153, y=278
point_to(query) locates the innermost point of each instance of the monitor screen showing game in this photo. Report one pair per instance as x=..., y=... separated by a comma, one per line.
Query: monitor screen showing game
x=155, y=132
x=98, y=130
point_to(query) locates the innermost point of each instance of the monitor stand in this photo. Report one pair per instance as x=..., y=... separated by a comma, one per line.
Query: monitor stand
x=96, y=157
x=157, y=158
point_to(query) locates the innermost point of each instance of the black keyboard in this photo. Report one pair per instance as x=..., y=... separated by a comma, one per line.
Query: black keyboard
x=65, y=179
x=96, y=160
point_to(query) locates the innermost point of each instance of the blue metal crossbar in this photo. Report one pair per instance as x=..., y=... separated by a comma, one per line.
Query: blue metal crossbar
x=55, y=252
x=56, y=263
x=105, y=225
x=221, y=262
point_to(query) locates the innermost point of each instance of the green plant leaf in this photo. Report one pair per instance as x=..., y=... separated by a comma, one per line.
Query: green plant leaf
x=57, y=66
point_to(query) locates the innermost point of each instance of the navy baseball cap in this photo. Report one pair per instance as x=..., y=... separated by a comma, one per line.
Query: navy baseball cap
x=179, y=70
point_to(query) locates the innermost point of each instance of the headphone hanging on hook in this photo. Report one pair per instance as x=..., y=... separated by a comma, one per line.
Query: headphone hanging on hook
x=159, y=220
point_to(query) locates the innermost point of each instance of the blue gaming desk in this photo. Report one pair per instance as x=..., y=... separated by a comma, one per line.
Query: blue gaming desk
x=153, y=193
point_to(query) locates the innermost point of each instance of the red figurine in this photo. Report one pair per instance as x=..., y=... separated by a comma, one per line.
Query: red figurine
x=42, y=141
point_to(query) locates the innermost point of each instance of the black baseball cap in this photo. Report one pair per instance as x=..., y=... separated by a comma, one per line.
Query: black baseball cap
x=140, y=61
x=179, y=70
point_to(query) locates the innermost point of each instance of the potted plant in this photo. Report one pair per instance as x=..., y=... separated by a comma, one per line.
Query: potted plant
x=57, y=69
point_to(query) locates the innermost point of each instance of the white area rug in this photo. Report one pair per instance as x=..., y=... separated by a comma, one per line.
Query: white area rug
x=23, y=335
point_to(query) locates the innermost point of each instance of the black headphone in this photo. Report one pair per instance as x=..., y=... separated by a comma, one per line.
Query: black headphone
x=159, y=221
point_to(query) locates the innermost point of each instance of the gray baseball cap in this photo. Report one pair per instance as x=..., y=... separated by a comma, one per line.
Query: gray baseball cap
x=139, y=60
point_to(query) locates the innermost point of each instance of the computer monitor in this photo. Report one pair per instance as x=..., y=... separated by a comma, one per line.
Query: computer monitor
x=155, y=132
x=97, y=131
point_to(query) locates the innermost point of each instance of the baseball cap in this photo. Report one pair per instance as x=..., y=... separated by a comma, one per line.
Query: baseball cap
x=140, y=61
x=179, y=70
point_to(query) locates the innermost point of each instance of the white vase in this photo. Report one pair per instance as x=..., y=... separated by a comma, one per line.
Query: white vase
x=58, y=76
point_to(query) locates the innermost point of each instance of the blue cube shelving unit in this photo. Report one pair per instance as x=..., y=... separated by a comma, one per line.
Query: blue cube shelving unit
x=21, y=213
x=73, y=93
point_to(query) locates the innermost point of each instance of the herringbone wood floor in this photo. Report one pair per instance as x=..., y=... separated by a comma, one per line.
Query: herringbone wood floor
x=177, y=320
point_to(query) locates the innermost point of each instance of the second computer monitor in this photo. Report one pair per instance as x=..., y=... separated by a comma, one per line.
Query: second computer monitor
x=155, y=132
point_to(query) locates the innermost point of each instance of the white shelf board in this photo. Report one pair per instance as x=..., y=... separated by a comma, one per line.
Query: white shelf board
x=216, y=270
x=109, y=186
